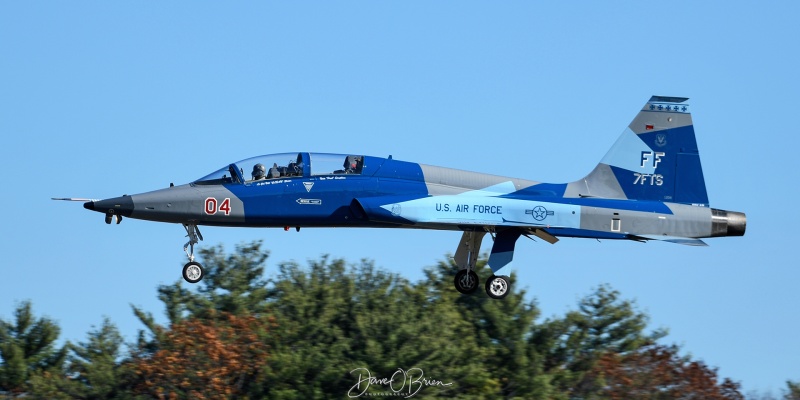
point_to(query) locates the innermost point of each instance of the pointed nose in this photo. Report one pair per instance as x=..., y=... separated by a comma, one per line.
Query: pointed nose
x=116, y=206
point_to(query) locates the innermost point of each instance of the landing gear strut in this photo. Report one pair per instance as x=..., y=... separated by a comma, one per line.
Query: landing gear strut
x=192, y=271
x=466, y=280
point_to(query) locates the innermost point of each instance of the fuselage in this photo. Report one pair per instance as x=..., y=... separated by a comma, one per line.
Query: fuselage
x=383, y=192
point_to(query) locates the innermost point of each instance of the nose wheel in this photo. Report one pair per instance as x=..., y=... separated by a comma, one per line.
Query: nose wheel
x=192, y=271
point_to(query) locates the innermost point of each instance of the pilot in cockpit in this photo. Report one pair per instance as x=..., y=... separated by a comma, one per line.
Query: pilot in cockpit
x=259, y=172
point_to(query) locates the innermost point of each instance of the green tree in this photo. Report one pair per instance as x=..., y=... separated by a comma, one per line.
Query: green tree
x=233, y=284
x=571, y=346
x=334, y=320
x=310, y=332
x=27, y=346
x=331, y=319
x=326, y=323
x=93, y=364
x=509, y=367
x=792, y=390
x=94, y=370
x=213, y=327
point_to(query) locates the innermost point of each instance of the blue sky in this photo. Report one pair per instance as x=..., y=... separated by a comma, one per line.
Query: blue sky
x=98, y=99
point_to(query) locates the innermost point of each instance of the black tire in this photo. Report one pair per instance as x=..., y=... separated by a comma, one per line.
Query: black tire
x=193, y=272
x=466, y=282
x=498, y=287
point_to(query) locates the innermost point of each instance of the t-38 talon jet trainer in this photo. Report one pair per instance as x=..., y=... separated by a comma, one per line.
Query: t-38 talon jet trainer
x=649, y=186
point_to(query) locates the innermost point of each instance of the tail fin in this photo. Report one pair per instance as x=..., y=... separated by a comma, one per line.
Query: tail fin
x=655, y=158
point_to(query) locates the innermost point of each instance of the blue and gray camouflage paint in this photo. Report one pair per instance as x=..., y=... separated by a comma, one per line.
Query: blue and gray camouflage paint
x=649, y=186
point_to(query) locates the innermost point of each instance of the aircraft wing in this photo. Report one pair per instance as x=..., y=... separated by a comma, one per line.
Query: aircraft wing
x=671, y=239
x=467, y=210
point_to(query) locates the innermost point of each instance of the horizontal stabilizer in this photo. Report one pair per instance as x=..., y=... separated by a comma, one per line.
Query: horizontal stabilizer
x=541, y=234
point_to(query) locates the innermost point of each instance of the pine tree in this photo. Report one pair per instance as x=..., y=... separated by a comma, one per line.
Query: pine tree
x=503, y=365
x=325, y=324
x=792, y=390
x=233, y=284
x=27, y=346
x=573, y=345
x=94, y=370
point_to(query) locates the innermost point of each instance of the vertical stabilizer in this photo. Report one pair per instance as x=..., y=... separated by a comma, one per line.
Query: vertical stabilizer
x=656, y=158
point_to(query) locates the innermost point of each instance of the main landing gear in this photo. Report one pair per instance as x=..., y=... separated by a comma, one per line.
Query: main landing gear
x=466, y=280
x=192, y=271
x=497, y=287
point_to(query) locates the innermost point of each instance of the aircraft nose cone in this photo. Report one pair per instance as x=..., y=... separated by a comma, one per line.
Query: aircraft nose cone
x=116, y=206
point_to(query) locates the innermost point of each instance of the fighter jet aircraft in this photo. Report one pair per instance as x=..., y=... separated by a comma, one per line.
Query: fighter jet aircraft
x=649, y=186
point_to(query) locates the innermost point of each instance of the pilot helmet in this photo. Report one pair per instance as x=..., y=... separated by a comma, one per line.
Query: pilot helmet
x=259, y=171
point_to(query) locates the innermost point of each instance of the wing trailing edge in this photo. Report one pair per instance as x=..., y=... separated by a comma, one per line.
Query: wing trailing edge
x=671, y=239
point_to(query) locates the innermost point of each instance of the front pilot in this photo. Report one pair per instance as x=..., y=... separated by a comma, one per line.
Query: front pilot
x=259, y=172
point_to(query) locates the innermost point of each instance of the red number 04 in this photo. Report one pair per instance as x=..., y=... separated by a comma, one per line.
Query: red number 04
x=212, y=207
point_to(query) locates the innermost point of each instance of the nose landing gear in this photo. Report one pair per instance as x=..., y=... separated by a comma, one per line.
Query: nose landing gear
x=192, y=271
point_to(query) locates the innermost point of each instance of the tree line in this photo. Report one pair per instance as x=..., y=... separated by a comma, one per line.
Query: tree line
x=337, y=330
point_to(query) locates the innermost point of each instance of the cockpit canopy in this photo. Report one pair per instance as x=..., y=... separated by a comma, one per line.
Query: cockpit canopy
x=284, y=165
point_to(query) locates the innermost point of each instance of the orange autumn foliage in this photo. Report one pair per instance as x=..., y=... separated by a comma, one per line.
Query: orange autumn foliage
x=656, y=372
x=205, y=359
